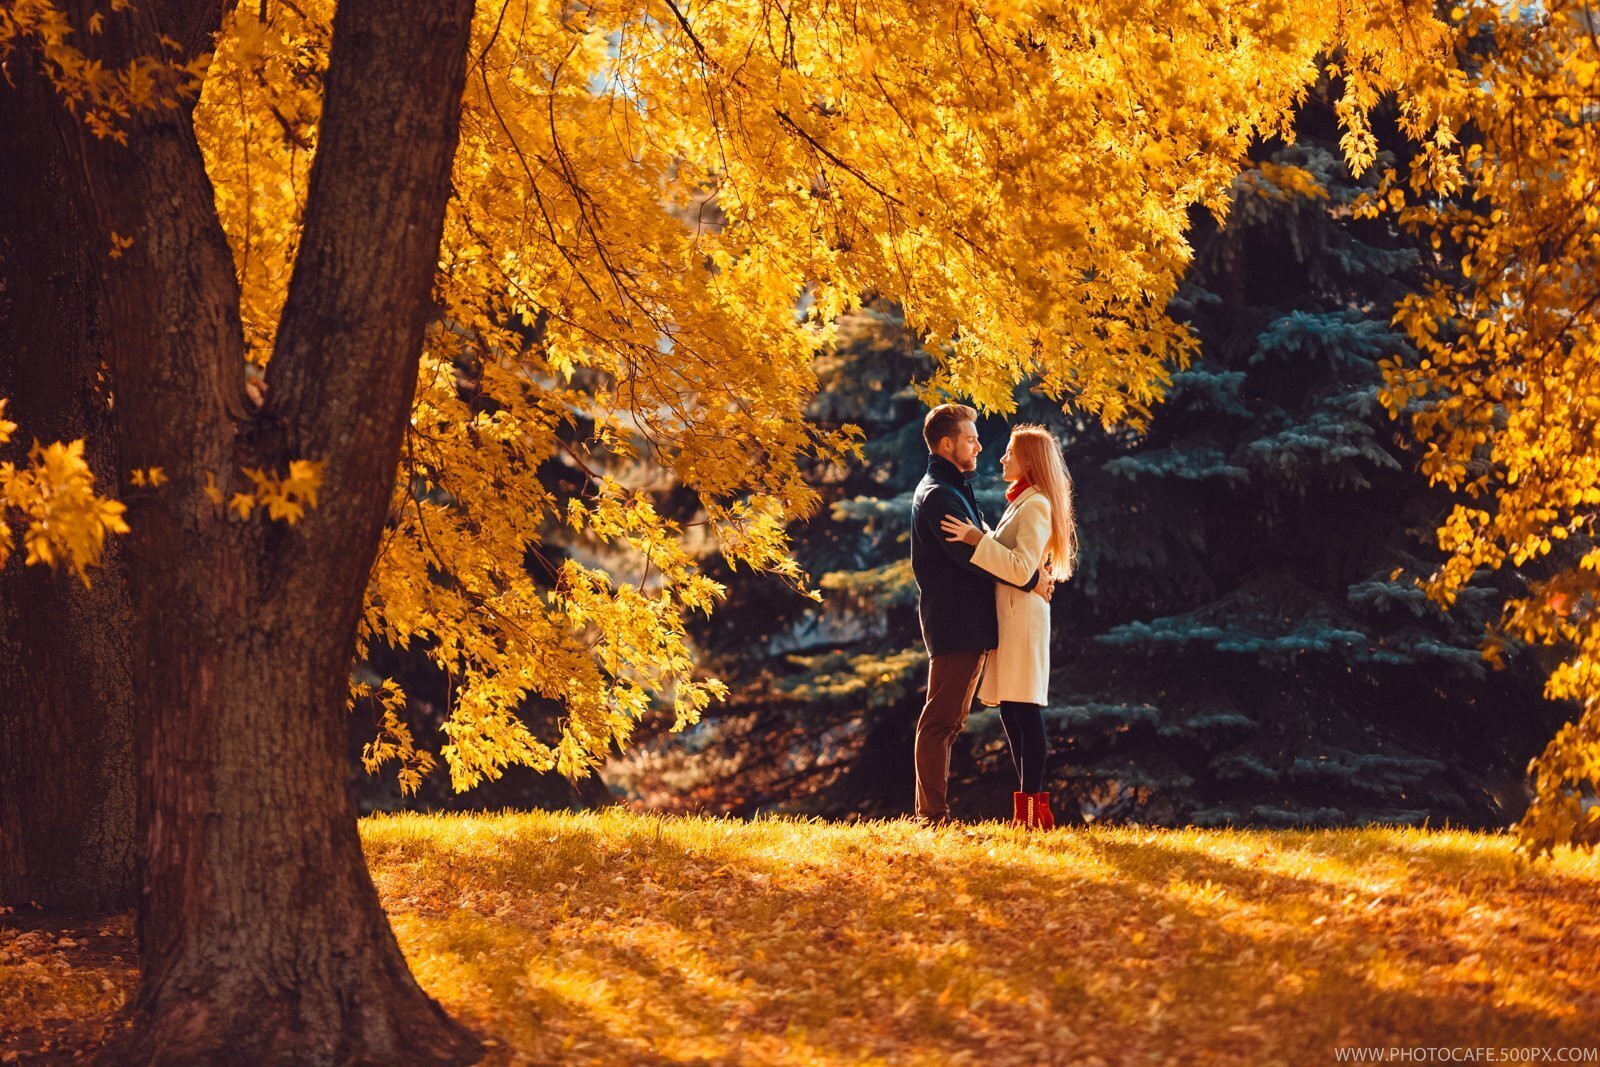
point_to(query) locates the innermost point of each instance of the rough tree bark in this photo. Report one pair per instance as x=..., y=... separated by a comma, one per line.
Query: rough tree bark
x=261, y=935
x=66, y=735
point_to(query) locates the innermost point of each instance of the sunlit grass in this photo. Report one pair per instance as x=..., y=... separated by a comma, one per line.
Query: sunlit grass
x=622, y=938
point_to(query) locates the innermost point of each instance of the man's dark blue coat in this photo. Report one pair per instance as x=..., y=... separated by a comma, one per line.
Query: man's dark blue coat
x=956, y=602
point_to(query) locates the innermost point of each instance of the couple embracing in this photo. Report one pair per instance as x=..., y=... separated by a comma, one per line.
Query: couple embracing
x=983, y=600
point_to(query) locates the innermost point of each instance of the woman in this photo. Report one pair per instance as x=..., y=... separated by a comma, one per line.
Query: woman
x=1036, y=532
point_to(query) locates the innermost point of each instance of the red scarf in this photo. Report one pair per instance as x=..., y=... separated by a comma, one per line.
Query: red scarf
x=1016, y=490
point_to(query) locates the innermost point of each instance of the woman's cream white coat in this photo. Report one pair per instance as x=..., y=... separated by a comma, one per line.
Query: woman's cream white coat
x=1020, y=668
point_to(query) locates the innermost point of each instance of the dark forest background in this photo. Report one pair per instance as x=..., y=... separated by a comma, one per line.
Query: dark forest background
x=1243, y=643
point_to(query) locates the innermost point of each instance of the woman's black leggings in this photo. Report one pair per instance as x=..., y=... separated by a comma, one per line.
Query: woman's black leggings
x=1030, y=746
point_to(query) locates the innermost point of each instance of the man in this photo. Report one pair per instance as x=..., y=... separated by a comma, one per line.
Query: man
x=955, y=598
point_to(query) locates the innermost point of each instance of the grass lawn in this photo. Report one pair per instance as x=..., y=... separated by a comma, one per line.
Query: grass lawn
x=627, y=939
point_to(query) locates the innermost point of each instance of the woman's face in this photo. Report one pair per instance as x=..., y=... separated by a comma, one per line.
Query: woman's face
x=1011, y=468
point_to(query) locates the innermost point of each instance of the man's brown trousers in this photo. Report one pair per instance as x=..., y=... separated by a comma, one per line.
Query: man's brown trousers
x=952, y=682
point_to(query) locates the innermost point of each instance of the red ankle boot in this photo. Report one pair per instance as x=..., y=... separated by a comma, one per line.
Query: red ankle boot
x=1042, y=818
x=1020, y=803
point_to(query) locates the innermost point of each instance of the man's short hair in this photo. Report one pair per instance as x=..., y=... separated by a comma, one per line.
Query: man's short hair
x=943, y=421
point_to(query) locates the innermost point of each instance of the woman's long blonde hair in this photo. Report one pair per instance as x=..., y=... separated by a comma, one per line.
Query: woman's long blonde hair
x=1046, y=471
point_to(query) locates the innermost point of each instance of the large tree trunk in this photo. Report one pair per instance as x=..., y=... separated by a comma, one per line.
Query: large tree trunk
x=66, y=735
x=262, y=938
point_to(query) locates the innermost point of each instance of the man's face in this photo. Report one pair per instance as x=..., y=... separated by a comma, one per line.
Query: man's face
x=962, y=447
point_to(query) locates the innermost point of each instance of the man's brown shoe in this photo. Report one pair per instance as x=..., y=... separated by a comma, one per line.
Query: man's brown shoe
x=935, y=820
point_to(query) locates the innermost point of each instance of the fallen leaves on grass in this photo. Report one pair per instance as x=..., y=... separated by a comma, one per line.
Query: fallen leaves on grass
x=626, y=938
x=621, y=938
